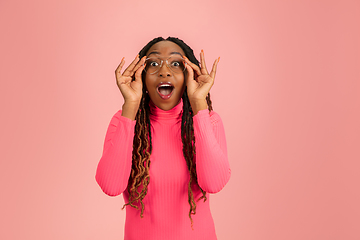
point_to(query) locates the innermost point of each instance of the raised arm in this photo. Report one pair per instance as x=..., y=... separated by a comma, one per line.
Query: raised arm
x=212, y=165
x=114, y=167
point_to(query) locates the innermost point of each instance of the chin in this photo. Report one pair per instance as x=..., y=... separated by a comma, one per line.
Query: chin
x=168, y=104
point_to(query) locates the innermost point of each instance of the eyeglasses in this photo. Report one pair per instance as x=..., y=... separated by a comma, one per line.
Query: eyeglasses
x=174, y=63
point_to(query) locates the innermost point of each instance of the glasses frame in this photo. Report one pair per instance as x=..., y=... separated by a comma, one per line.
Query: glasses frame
x=167, y=64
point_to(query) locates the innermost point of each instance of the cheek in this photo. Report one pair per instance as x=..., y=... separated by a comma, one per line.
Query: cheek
x=181, y=84
x=148, y=82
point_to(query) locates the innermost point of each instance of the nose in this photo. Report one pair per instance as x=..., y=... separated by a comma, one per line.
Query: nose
x=164, y=70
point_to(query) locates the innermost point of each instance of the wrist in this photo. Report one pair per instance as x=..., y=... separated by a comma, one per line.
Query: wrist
x=130, y=109
x=198, y=105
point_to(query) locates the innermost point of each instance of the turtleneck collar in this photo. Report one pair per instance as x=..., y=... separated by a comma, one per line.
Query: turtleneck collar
x=173, y=114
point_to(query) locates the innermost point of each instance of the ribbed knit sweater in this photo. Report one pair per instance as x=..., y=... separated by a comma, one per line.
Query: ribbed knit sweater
x=166, y=213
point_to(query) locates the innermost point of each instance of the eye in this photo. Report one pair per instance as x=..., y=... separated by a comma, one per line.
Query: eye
x=176, y=64
x=153, y=64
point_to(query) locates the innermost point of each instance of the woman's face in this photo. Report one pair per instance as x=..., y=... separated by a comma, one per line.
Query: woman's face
x=165, y=87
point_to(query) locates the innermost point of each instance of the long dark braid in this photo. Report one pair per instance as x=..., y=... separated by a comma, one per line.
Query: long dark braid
x=142, y=145
x=142, y=148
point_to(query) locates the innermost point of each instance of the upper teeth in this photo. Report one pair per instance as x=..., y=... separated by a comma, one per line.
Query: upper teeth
x=165, y=85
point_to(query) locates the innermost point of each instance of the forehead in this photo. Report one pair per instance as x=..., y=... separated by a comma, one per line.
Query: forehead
x=165, y=48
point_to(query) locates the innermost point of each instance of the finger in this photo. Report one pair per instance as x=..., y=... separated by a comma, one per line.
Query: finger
x=190, y=74
x=213, y=70
x=139, y=64
x=138, y=73
x=203, y=65
x=193, y=66
x=118, y=69
x=129, y=69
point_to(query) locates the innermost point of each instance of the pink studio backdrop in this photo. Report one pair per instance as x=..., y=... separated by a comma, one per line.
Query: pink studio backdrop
x=287, y=90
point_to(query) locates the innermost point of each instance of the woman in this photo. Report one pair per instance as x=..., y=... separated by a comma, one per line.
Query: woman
x=166, y=149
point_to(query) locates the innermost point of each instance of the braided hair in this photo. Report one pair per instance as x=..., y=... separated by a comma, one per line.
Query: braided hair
x=142, y=146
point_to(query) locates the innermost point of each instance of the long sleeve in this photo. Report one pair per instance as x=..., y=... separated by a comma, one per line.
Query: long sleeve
x=212, y=165
x=114, y=167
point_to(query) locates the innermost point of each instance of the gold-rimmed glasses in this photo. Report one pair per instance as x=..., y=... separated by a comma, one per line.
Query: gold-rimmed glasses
x=174, y=63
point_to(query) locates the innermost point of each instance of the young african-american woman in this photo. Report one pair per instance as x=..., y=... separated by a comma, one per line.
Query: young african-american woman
x=166, y=149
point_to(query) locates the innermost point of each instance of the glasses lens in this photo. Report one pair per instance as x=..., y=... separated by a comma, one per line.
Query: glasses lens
x=152, y=65
x=176, y=64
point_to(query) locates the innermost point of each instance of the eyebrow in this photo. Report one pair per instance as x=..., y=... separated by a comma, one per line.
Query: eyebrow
x=154, y=52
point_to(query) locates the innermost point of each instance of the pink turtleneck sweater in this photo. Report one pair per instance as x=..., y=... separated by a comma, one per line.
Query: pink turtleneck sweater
x=166, y=213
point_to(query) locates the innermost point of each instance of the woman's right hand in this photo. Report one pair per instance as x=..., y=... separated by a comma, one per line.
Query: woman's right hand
x=131, y=90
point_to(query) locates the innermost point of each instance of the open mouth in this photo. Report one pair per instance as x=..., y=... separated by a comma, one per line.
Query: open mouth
x=165, y=90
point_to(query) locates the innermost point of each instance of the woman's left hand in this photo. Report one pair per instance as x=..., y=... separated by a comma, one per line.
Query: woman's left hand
x=199, y=82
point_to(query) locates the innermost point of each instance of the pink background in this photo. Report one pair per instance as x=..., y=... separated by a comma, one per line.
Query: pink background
x=287, y=89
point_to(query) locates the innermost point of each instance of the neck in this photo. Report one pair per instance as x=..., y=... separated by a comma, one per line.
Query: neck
x=173, y=114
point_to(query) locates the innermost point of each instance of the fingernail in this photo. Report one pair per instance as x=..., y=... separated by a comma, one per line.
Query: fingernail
x=219, y=59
